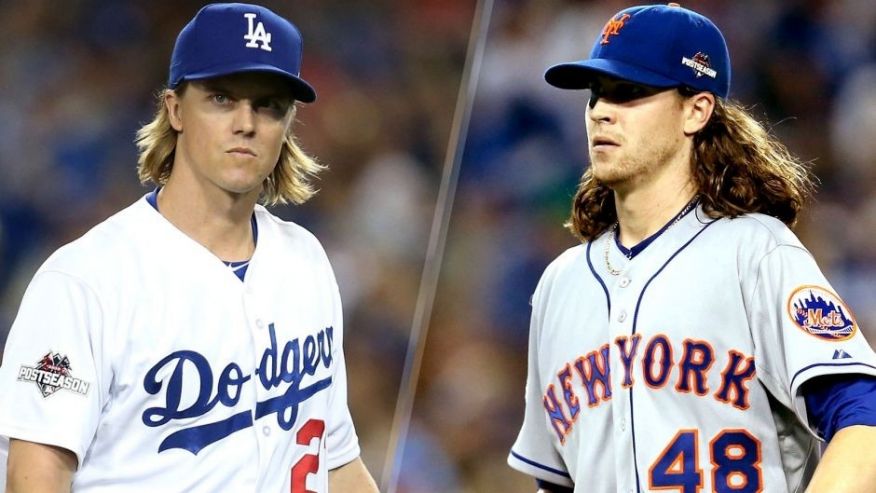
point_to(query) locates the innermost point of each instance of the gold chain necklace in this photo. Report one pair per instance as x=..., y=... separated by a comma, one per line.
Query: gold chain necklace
x=613, y=236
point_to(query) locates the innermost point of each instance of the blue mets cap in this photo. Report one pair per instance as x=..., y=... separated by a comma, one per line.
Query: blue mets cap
x=228, y=38
x=655, y=45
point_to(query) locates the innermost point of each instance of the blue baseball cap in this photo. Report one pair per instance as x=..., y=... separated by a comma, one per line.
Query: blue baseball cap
x=654, y=45
x=227, y=38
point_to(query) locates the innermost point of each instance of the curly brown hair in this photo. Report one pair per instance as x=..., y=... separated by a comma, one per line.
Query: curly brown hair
x=738, y=167
x=289, y=182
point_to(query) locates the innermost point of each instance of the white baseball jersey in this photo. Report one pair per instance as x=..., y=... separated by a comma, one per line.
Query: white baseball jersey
x=683, y=372
x=141, y=352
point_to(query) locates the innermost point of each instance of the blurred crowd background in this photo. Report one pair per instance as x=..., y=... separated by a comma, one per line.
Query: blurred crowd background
x=79, y=77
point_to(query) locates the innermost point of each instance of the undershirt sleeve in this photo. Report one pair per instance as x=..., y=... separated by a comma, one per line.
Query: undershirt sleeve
x=834, y=402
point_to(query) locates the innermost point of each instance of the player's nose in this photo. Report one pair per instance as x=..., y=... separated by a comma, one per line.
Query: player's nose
x=599, y=110
x=244, y=118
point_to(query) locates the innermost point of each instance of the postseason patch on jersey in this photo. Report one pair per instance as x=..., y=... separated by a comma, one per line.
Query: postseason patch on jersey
x=821, y=313
x=52, y=373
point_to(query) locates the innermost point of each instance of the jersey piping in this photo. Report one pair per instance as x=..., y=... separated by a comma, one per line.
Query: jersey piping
x=541, y=466
x=805, y=369
x=598, y=278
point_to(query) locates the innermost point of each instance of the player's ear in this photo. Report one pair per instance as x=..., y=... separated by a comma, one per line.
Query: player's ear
x=172, y=105
x=698, y=109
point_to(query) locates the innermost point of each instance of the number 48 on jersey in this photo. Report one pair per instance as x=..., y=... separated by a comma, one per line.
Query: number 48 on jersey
x=735, y=463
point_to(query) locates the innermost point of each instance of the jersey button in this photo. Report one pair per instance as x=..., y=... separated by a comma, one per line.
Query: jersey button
x=623, y=425
x=622, y=316
x=624, y=282
x=259, y=323
x=266, y=430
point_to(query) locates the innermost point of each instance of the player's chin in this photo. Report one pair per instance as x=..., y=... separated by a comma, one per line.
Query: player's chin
x=244, y=177
x=611, y=177
x=604, y=168
x=244, y=185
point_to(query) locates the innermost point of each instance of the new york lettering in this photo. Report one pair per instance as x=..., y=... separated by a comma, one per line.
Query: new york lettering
x=588, y=378
x=278, y=366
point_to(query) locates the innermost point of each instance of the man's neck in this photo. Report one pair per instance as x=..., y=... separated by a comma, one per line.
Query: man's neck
x=645, y=208
x=218, y=220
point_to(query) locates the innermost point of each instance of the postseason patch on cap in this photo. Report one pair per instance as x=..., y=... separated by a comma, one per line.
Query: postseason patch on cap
x=821, y=313
x=700, y=65
x=51, y=374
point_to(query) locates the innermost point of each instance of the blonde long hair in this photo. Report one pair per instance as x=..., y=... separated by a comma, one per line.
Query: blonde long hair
x=289, y=182
x=737, y=165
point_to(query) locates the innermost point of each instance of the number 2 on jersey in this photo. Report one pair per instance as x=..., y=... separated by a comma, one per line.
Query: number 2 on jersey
x=309, y=464
x=735, y=458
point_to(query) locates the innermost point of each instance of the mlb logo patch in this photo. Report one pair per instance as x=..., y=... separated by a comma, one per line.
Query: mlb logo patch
x=821, y=313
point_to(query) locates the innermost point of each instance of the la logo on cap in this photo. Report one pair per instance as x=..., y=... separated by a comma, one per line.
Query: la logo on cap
x=257, y=34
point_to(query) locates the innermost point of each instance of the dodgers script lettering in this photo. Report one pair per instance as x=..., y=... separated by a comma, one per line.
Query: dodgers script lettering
x=288, y=365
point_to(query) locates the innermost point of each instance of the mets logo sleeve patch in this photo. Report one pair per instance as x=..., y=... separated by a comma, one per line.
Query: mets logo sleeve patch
x=821, y=313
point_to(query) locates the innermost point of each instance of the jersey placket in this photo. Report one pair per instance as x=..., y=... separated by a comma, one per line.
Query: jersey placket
x=260, y=327
x=623, y=293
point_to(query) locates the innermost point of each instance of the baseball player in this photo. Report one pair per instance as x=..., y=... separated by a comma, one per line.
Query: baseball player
x=690, y=343
x=192, y=342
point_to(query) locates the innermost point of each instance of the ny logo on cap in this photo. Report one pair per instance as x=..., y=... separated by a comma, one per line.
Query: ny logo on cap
x=257, y=34
x=613, y=27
